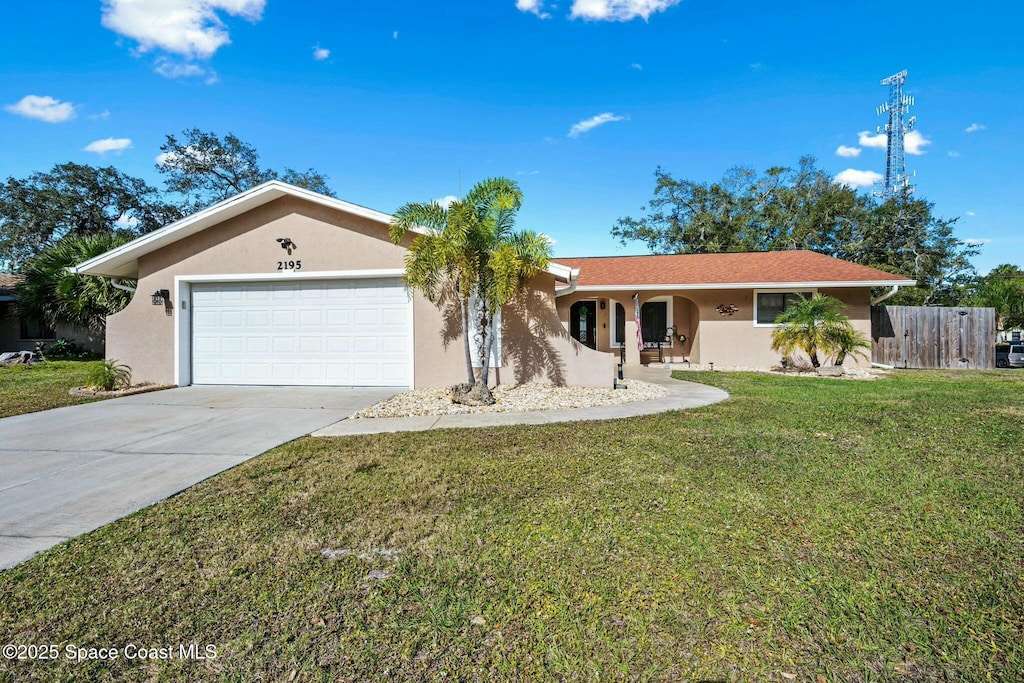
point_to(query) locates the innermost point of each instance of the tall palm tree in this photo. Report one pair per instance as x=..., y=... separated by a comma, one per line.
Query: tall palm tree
x=52, y=294
x=810, y=325
x=471, y=249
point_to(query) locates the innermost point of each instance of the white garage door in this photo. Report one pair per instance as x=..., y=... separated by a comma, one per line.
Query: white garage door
x=333, y=333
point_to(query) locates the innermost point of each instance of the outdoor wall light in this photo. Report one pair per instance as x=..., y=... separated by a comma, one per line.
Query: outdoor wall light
x=603, y=305
x=159, y=296
x=286, y=243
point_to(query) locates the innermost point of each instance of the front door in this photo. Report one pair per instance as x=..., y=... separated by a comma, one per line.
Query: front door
x=583, y=323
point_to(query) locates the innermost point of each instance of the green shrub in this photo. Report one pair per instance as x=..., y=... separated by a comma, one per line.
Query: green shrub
x=110, y=376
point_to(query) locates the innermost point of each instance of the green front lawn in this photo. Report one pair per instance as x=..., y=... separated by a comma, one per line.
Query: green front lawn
x=829, y=530
x=30, y=388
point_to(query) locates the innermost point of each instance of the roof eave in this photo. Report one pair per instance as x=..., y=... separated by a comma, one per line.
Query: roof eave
x=124, y=260
x=748, y=285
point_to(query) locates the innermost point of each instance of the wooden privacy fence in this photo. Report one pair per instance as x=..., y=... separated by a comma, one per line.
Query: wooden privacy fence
x=934, y=337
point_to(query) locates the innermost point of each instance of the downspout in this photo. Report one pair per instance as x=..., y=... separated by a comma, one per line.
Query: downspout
x=115, y=282
x=574, y=281
x=887, y=295
x=875, y=302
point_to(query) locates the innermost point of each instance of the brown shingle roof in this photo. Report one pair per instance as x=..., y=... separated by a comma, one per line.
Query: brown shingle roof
x=754, y=268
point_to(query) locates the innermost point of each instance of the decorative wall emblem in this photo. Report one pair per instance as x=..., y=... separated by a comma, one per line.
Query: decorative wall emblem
x=727, y=310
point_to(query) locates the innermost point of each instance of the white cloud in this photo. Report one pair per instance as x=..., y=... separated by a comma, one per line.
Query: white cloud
x=975, y=127
x=527, y=172
x=848, y=152
x=321, y=53
x=914, y=143
x=126, y=222
x=45, y=108
x=866, y=139
x=108, y=145
x=394, y=35
x=756, y=66
x=102, y=116
x=172, y=159
x=971, y=213
x=618, y=10
x=190, y=28
x=953, y=154
x=446, y=200
x=636, y=67
x=533, y=7
x=587, y=125
x=170, y=69
x=855, y=179
x=977, y=241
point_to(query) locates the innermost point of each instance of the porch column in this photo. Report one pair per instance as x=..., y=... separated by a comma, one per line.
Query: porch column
x=632, y=353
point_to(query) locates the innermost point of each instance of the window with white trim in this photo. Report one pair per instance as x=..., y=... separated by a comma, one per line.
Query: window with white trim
x=769, y=305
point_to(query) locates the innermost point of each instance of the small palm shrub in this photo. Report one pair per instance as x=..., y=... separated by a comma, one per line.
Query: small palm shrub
x=849, y=342
x=817, y=324
x=109, y=376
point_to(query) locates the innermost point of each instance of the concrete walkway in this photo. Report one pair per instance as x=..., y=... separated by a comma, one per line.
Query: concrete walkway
x=67, y=471
x=681, y=395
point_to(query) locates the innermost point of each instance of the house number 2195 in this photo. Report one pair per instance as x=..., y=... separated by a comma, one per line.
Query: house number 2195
x=289, y=265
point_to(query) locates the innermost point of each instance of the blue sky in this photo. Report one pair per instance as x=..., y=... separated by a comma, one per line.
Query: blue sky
x=396, y=101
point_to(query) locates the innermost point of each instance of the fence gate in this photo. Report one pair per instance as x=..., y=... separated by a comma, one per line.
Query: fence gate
x=941, y=337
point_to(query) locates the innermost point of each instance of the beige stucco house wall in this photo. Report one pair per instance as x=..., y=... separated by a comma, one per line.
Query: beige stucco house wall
x=535, y=347
x=731, y=341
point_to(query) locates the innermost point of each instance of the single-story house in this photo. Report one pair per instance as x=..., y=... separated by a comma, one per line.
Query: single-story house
x=20, y=334
x=281, y=285
x=707, y=308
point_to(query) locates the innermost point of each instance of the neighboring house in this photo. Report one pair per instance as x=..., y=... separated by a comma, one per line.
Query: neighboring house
x=280, y=285
x=17, y=334
x=1012, y=335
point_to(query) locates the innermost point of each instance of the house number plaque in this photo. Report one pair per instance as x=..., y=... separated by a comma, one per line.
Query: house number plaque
x=289, y=265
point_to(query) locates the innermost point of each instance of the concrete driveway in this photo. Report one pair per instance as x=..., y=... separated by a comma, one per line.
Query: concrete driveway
x=67, y=471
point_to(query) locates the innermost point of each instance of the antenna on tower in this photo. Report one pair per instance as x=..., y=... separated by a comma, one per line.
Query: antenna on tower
x=897, y=182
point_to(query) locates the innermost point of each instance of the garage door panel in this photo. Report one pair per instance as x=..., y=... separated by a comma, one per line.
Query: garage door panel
x=339, y=344
x=306, y=333
x=311, y=345
x=284, y=345
x=228, y=344
x=283, y=318
x=257, y=318
x=337, y=317
x=311, y=318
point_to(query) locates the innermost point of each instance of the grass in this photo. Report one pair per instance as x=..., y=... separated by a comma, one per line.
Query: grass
x=819, y=529
x=30, y=388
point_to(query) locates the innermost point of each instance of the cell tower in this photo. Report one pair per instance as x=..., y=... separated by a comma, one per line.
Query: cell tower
x=897, y=182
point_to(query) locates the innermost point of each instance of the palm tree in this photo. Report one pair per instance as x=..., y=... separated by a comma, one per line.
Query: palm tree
x=470, y=249
x=810, y=325
x=52, y=294
x=847, y=341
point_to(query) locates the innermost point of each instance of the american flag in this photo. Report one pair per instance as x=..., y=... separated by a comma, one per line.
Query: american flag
x=636, y=313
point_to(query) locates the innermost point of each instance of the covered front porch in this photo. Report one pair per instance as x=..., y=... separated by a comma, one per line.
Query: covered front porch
x=606, y=321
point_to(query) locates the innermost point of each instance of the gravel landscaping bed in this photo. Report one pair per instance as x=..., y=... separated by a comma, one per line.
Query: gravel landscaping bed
x=437, y=400
x=847, y=372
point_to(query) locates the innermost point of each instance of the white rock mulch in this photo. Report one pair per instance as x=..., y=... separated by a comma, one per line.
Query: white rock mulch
x=849, y=372
x=438, y=401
